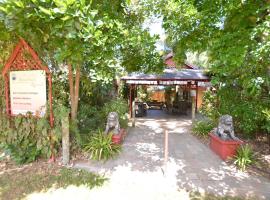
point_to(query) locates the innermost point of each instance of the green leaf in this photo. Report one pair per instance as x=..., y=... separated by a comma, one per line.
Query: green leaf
x=19, y=4
x=65, y=18
x=44, y=10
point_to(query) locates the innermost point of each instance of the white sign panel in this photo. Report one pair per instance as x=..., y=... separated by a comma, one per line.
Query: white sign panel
x=28, y=92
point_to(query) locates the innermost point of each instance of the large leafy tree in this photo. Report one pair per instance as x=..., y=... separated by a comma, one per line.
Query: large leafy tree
x=89, y=36
x=236, y=36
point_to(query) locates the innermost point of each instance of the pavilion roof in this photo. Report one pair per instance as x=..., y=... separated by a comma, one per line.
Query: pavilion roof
x=175, y=76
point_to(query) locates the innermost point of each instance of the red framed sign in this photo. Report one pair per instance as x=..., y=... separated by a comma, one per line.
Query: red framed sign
x=25, y=83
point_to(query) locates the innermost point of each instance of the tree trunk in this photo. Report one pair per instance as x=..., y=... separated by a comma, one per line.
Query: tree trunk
x=71, y=91
x=74, y=99
x=268, y=138
x=74, y=91
x=77, y=89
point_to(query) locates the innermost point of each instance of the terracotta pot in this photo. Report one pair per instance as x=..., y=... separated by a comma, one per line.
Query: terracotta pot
x=224, y=148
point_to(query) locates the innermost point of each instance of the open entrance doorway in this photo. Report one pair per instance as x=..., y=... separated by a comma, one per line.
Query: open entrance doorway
x=174, y=100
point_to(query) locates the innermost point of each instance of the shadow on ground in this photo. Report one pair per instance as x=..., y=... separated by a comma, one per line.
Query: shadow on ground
x=191, y=165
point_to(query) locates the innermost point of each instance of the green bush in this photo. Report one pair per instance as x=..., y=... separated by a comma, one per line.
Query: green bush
x=210, y=105
x=248, y=111
x=100, y=146
x=24, y=153
x=244, y=157
x=25, y=138
x=92, y=118
x=202, y=128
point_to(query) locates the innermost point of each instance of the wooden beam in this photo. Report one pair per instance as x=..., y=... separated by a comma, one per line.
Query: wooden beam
x=130, y=101
x=196, y=97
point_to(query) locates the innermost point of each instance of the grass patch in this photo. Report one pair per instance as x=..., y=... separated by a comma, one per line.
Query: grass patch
x=18, y=182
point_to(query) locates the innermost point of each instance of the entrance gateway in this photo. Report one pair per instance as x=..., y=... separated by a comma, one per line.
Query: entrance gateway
x=192, y=80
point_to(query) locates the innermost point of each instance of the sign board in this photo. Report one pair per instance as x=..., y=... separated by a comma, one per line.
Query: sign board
x=28, y=92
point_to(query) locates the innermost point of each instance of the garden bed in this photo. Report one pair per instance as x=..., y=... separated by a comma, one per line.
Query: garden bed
x=261, y=150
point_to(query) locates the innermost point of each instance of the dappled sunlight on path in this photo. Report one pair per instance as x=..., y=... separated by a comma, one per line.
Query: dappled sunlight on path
x=139, y=171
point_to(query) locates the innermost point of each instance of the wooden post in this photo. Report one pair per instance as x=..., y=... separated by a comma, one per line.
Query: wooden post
x=50, y=100
x=130, y=101
x=65, y=140
x=7, y=94
x=166, y=150
x=193, y=108
x=133, y=113
x=196, y=97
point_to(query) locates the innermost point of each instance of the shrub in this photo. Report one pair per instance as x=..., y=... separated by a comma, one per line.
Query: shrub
x=202, y=128
x=25, y=138
x=210, y=105
x=244, y=157
x=101, y=147
x=248, y=112
x=92, y=118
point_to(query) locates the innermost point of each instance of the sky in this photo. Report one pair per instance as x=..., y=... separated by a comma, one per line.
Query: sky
x=155, y=27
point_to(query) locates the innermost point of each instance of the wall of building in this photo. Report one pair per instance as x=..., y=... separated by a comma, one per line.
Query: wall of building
x=158, y=96
x=169, y=62
x=201, y=91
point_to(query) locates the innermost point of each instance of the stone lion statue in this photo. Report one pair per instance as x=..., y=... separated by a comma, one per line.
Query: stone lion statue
x=112, y=125
x=225, y=129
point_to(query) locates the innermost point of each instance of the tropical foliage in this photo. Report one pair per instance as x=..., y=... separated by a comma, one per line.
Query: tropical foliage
x=235, y=35
x=68, y=32
x=86, y=44
x=100, y=146
x=203, y=127
x=92, y=118
x=244, y=157
x=25, y=138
